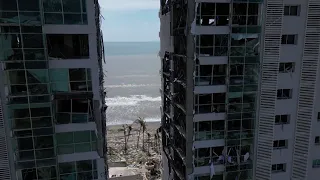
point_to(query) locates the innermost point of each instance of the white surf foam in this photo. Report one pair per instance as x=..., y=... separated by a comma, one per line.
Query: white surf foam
x=133, y=76
x=130, y=101
x=131, y=85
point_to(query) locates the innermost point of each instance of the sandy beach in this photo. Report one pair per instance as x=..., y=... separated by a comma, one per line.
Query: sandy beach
x=134, y=157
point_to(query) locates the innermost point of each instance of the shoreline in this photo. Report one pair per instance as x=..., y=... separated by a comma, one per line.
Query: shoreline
x=149, y=123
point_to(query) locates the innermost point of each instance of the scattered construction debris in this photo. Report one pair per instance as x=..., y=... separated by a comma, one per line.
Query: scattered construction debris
x=134, y=152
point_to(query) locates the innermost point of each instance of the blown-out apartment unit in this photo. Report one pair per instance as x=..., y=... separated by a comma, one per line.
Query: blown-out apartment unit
x=52, y=121
x=240, y=89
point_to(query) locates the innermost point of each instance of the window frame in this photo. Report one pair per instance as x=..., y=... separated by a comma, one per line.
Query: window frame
x=317, y=140
x=215, y=22
x=282, y=97
x=290, y=10
x=316, y=163
x=276, y=168
x=283, y=65
x=280, y=117
x=92, y=140
x=284, y=39
x=278, y=142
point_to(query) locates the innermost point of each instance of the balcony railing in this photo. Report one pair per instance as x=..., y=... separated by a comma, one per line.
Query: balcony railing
x=210, y=81
x=209, y=135
x=210, y=108
x=244, y=134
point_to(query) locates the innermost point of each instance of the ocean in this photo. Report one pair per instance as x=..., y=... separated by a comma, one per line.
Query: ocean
x=132, y=81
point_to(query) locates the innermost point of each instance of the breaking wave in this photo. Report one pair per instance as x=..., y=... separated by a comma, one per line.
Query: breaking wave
x=131, y=85
x=130, y=101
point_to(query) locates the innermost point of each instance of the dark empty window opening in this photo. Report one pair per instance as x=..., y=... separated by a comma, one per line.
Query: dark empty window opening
x=316, y=163
x=282, y=119
x=317, y=140
x=68, y=46
x=289, y=39
x=212, y=45
x=284, y=94
x=318, y=117
x=280, y=144
x=286, y=67
x=213, y=14
x=291, y=10
x=278, y=168
x=73, y=111
x=210, y=75
x=209, y=103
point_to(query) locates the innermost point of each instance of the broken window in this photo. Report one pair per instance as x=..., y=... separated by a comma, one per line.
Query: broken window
x=17, y=77
x=65, y=12
x=30, y=18
x=40, y=112
x=289, y=39
x=34, y=54
x=30, y=5
x=213, y=14
x=244, y=45
x=209, y=130
x=291, y=10
x=82, y=169
x=9, y=17
x=69, y=46
x=284, y=94
x=209, y=103
x=278, y=168
x=47, y=172
x=280, y=144
x=75, y=142
x=282, y=119
x=245, y=14
x=18, y=90
x=66, y=80
x=39, y=122
x=203, y=156
x=73, y=111
x=211, y=75
x=29, y=173
x=286, y=67
x=212, y=45
x=316, y=163
x=8, y=5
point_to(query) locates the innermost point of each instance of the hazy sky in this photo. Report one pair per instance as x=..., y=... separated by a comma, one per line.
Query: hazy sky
x=130, y=20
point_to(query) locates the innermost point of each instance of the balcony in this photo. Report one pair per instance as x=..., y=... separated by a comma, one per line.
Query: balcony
x=204, y=156
x=73, y=108
x=180, y=121
x=180, y=145
x=180, y=96
x=209, y=130
x=70, y=46
x=179, y=166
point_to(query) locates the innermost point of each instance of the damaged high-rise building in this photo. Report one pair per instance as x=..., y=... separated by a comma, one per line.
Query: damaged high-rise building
x=240, y=89
x=52, y=112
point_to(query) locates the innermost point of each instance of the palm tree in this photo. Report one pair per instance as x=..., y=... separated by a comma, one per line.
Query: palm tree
x=125, y=138
x=156, y=139
x=143, y=127
x=148, y=140
x=129, y=129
